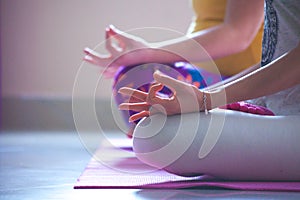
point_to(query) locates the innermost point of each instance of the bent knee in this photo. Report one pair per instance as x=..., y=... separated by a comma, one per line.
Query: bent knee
x=166, y=143
x=150, y=140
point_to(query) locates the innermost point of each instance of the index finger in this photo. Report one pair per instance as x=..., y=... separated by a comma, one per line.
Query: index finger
x=113, y=32
x=109, y=44
x=168, y=81
x=134, y=93
x=139, y=115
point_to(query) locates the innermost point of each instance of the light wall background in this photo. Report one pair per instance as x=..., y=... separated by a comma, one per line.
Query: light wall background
x=42, y=40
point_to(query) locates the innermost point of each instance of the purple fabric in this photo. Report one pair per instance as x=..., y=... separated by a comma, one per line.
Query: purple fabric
x=123, y=171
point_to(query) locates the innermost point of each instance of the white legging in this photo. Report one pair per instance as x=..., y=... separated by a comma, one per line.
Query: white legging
x=225, y=144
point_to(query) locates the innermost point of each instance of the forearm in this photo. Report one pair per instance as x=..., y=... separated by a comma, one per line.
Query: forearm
x=276, y=76
x=233, y=35
x=199, y=47
x=233, y=78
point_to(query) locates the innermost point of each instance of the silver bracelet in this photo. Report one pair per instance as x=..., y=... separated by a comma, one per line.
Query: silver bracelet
x=204, y=103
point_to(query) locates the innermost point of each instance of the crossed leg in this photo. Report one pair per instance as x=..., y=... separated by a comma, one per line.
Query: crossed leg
x=225, y=144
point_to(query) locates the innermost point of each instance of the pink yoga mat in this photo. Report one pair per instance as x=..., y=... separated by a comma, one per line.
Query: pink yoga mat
x=117, y=167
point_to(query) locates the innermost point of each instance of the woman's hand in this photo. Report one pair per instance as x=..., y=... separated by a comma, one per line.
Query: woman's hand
x=123, y=50
x=185, y=98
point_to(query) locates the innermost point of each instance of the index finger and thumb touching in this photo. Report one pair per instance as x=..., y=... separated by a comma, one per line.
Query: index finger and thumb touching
x=113, y=32
x=156, y=87
x=168, y=81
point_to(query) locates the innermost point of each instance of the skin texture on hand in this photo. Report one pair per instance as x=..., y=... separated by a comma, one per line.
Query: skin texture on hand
x=185, y=98
x=123, y=50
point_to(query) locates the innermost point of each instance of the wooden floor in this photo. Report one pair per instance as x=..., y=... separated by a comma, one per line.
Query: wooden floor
x=45, y=165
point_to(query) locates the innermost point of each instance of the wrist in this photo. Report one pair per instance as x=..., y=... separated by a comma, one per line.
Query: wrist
x=213, y=99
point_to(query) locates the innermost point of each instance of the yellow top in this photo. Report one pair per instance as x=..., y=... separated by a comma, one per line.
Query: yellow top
x=209, y=13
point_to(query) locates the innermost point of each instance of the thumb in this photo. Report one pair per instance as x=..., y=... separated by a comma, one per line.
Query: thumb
x=166, y=80
x=153, y=90
x=117, y=33
x=112, y=31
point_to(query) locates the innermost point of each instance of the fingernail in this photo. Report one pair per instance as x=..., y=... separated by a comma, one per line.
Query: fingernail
x=131, y=120
x=107, y=29
x=120, y=90
x=86, y=49
x=120, y=108
x=112, y=30
x=157, y=71
x=87, y=57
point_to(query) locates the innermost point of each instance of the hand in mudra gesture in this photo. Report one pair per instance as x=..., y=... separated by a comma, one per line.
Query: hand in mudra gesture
x=185, y=98
x=123, y=50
